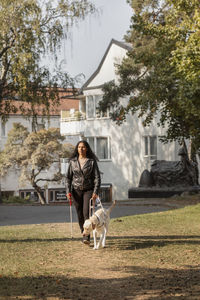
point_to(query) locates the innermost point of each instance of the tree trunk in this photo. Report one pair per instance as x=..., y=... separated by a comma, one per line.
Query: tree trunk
x=39, y=193
x=192, y=156
x=195, y=161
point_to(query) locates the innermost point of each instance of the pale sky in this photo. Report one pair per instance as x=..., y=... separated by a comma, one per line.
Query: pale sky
x=88, y=41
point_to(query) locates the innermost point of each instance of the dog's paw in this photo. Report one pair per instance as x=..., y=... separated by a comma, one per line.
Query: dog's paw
x=95, y=248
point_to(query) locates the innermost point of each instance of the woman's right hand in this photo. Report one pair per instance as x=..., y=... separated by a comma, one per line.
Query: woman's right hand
x=69, y=196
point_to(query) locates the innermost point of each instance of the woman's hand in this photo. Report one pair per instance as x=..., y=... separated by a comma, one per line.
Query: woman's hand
x=94, y=197
x=69, y=196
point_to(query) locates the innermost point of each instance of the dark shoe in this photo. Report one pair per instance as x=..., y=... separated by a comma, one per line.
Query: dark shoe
x=86, y=240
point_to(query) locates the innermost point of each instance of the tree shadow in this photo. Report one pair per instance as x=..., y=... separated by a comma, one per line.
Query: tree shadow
x=33, y=240
x=142, y=242
x=123, y=242
x=150, y=283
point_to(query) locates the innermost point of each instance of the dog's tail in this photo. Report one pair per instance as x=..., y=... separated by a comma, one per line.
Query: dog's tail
x=111, y=207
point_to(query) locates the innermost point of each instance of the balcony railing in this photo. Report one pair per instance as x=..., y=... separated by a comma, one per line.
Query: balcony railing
x=72, y=125
x=73, y=118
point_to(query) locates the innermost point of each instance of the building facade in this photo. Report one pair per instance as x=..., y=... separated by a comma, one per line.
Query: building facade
x=124, y=151
x=10, y=183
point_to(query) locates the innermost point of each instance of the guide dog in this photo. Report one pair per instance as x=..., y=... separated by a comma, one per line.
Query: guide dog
x=98, y=223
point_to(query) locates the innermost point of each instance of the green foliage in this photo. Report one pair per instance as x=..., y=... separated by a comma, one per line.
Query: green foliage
x=30, y=30
x=35, y=154
x=162, y=72
x=14, y=199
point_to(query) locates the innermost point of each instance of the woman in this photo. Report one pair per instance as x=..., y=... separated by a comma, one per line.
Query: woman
x=83, y=181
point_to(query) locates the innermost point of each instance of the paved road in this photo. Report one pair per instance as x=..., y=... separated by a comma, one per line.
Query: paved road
x=18, y=215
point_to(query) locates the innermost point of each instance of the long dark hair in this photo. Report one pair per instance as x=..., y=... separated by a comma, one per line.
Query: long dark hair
x=89, y=152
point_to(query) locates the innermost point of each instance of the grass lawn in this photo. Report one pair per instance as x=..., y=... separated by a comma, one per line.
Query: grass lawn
x=152, y=256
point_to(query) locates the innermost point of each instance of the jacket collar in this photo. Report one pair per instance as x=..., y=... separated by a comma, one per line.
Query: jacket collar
x=78, y=164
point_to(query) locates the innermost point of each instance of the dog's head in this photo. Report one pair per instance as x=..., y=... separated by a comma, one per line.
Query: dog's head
x=87, y=226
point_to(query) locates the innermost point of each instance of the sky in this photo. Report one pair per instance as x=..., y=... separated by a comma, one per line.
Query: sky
x=88, y=41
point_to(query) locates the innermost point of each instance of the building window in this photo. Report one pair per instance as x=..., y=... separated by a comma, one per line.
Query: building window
x=93, y=108
x=105, y=192
x=90, y=141
x=90, y=107
x=150, y=147
x=38, y=126
x=51, y=196
x=100, y=146
x=99, y=114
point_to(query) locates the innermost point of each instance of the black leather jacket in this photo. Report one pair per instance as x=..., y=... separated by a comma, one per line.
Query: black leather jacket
x=86, y=179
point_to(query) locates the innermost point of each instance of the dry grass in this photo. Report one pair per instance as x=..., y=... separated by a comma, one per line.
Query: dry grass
x=153, y=256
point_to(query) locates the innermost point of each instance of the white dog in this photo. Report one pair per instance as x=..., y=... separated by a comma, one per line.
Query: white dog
x=98, y=223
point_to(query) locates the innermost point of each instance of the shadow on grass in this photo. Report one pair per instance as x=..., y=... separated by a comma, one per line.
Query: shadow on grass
x=123, y=242
x=142, y=242
x=139, y=282
x=33, y=240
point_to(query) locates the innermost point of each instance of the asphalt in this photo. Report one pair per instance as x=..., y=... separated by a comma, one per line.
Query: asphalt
x=37, y=214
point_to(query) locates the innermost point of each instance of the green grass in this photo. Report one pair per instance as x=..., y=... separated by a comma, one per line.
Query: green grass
x=151, y=256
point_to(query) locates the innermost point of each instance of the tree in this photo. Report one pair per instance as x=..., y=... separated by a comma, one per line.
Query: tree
x=34, y=153
x=162, y=72
x=30, y=29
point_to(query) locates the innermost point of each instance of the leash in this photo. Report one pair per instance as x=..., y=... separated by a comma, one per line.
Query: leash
x=92, y=207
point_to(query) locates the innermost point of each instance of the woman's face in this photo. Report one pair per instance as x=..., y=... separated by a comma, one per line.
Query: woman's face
x=82, y=149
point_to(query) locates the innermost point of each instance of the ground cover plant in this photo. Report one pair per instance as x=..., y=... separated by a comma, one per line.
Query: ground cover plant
x=151, y=256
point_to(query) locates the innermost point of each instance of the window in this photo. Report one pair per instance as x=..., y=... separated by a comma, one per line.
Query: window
x=98, y=113
x=97, y=99
x=100, y=146
x=92, y=107
x=37, y=126
x=90, y=141
x=150, y=147
x=51, y=196
x=105, y=192
x=40, y=126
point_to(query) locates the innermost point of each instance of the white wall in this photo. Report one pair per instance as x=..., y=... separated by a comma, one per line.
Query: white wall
x=127, y=142
x=127, y=161
x=107, y=71
x=127, y=151
x=11, y=181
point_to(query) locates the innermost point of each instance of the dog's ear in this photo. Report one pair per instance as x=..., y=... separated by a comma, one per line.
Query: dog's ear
x=93, y=226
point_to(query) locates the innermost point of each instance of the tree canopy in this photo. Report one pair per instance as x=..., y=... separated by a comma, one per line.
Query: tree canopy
x=30, y=29
x=161, y=74
x=34, y=154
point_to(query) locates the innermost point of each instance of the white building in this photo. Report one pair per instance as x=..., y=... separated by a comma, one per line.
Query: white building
x=124, y=151
x=10, y=183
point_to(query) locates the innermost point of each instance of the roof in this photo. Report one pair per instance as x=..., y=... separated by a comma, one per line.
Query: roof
x=118, y=43
x=67, y=101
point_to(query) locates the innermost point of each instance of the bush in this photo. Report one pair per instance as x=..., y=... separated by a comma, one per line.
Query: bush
x=14, y=199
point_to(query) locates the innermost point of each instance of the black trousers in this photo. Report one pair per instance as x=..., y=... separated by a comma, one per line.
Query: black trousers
x=81, y=201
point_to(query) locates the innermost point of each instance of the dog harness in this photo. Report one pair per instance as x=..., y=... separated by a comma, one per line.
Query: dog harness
x=100, y=222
